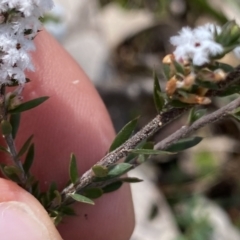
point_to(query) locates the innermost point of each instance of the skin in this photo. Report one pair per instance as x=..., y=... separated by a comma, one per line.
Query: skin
x=74, y=119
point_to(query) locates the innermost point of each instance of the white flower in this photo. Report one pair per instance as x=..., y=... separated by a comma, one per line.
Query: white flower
x=17, y=31
x=198, y=44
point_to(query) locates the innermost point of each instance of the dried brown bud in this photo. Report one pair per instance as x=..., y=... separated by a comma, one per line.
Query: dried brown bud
x=168, y=59
x=189, y=80
x=195, y=99
x=171, y=86
x=219, y=75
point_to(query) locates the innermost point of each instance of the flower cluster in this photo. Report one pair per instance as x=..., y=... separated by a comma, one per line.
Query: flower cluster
x=193, y=68
x=19, y=24
x=199, y=45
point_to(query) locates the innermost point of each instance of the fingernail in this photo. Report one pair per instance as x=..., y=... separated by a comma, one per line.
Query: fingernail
x=18, y=221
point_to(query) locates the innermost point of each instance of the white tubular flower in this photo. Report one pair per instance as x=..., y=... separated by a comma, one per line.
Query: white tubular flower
x=19, y=24
x=197, y=45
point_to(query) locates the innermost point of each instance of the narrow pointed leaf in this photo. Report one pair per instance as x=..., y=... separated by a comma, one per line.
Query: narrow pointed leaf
x=15, y=122
x=148, y=151
x=11, y=173
x=57, y=219
x=184, y=144
x=114, y=171
x=194, y=115
x=25, y=146
x=12, y=170
x=112, y=187
x=131, y=156
x=35, y=189
x=178, y=104
x=69, y=211
x=158, y=99
x=131, y=180
x=179, y=68
x=230, y=90
x=225, y=67
x=93, y=193
x=207, y=84
x=119, y=169
x=124, y=134
x=6, y=127
x=167, y=71
x=100, y=171
x=3, y=149
x=51, y=191
x=73, y=171
x=81, y=198
x=58, y=198
x=236, y=116
x=28, y=105
x=29, y=159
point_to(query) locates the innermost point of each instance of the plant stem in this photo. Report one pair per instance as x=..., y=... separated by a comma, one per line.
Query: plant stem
x=155, y=125
x=9, y=139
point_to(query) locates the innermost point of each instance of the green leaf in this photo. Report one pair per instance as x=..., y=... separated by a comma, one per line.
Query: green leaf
x=44, y=199
x=167, y=71
x=158, y=99
x=25, y=146
x=28, y=105
x=225, y=67
x=100, y=171
x=6, y=127
x=3, y=149
x=51, y=191
x=143, y=145
x=148, y=151
x=207, y=84
x=15, y=122
x=29, y=159
x=178, y=104
x=184, y=144
x=131, y=180
x=119, y=169
x=73, y=171
x=124, y=134
x=230, y=90
x=35, y=189
x=11, y=172
x=58, y=198
x=114, y=171
x=57, y=219
x=93, y=193
x=69, y=211
x=179, y=68
x=236, y=116
x=112, y=187
x=81, y=198
x=194, y=115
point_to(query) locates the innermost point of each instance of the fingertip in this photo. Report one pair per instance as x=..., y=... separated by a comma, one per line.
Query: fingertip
x=22, y=216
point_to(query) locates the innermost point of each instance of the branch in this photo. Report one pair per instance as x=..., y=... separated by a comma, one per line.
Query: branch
x=151, y=128
x=186, y=130
x=111, y=158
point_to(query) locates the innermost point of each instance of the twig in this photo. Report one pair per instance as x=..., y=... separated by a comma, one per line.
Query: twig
x=150, y=129
x=186, y=130
x=9, y=139
x=111, y=158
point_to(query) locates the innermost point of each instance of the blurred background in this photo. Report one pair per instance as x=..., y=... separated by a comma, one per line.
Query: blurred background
x=194, y=195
